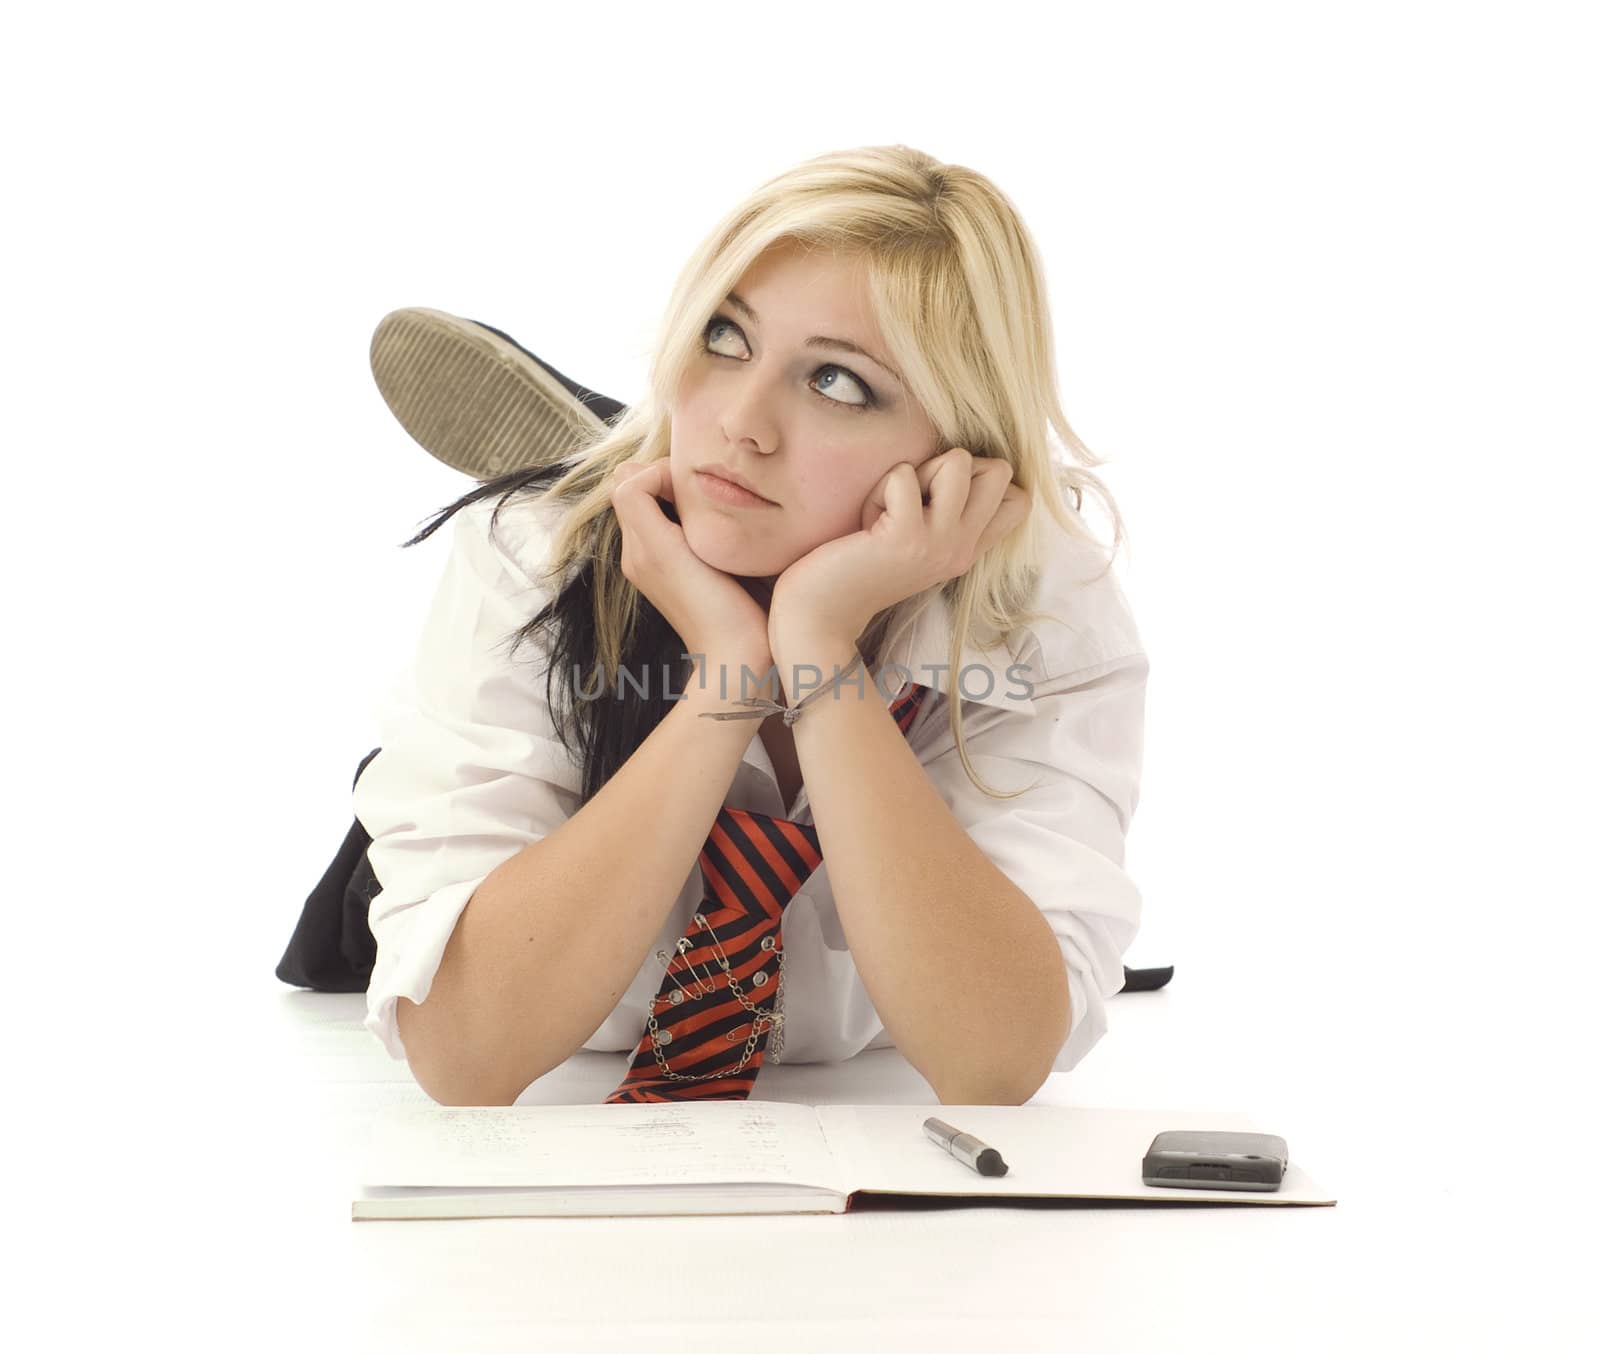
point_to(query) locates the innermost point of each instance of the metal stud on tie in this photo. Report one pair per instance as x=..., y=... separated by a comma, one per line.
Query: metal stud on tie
x=760, y=979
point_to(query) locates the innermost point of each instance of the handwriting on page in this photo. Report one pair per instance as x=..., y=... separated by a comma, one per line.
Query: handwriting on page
x=575, y=1146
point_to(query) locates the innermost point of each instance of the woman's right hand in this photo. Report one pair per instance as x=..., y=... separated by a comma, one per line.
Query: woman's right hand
x=711, y=611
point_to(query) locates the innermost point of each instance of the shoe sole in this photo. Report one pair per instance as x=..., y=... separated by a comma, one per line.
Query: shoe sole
x=471, y=399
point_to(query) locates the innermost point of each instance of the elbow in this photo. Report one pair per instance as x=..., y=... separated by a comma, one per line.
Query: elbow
x=1012, y=1092
x=991, y=1093
x=440, y=1068
x=457, y=1097
x=459, y=1091
x=994, y=1085
x=1056, y=1023
x=1017, y=1084
x=981, y=1098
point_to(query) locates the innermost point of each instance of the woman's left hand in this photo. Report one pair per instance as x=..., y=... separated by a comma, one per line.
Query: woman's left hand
x=905, y=545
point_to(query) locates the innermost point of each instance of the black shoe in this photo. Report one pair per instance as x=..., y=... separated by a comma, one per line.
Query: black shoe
x=476, y=399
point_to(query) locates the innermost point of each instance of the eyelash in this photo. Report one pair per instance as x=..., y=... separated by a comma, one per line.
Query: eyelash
x=870, y=403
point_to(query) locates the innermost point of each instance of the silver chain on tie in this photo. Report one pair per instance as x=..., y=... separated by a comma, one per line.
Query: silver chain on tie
x=702, y=988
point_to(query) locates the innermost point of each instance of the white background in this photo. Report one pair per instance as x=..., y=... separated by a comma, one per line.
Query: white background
x=1324, y=294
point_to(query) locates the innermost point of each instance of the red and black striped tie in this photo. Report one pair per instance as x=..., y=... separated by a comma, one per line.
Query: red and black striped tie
x=716, y=1005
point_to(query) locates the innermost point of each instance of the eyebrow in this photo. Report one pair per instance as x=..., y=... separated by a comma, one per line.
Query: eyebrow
x=819, y=340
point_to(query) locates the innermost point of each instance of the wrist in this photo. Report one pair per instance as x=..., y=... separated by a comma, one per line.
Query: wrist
x=808, y=665
x=722, y=678
x=820, y=648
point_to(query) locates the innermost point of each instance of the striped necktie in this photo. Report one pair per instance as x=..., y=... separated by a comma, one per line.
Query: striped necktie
x=706, y=1032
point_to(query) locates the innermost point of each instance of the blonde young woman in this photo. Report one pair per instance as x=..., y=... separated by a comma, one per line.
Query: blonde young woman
x=604, y=699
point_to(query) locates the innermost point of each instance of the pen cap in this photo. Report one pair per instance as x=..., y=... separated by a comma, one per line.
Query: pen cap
x=989, y=1162
x=985, y=1160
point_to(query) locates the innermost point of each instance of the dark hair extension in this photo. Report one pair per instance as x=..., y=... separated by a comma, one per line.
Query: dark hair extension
x=600, y=733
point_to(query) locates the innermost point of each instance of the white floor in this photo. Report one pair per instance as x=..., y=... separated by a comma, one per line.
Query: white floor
x=250, y=1240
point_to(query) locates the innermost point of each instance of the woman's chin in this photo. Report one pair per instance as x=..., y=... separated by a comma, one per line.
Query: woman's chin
x=730, y=557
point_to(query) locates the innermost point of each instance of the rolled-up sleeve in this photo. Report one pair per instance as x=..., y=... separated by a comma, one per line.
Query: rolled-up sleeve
x=1062, y=843
x=470, y=770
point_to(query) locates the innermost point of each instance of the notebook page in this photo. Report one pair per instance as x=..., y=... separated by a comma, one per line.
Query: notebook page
x=596, y=1146
x=1048, y=1150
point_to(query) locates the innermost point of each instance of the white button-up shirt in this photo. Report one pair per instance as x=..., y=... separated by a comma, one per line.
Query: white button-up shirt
x=471, y=772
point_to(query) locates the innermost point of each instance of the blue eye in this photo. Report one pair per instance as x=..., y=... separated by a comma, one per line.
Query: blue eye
x=871, y=401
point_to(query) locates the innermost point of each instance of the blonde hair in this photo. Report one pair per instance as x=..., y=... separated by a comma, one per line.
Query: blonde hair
x=957, y=288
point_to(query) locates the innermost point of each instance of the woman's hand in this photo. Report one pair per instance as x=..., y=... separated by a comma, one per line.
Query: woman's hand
x=905, y=545
x=713, y=613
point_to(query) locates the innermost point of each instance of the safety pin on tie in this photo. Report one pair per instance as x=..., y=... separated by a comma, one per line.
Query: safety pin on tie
x=716, y=942
x=666, y=963
x=705, y=984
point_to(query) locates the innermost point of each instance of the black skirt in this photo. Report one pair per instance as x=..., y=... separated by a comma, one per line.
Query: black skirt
x=332, y=948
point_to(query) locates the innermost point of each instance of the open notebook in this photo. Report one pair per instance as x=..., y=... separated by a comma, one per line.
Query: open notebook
x=761, y=1156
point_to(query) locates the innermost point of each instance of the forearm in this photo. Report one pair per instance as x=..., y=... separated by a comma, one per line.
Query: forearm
x=552, y=937
x=962, y=967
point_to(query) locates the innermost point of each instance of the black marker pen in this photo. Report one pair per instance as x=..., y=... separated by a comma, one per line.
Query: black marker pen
x=964, y=1147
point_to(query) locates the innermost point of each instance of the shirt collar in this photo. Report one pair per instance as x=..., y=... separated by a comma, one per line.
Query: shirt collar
x=923, y=654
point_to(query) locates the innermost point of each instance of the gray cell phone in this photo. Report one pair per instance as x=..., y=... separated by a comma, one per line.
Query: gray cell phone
x=1201, y=1159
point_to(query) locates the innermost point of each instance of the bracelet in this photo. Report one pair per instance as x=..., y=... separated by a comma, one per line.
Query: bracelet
x=761, y=708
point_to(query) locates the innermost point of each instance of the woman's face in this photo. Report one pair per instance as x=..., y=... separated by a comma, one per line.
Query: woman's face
x=811, y=428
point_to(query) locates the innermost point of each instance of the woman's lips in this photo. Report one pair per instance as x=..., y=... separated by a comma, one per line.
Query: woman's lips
x=731, y=494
